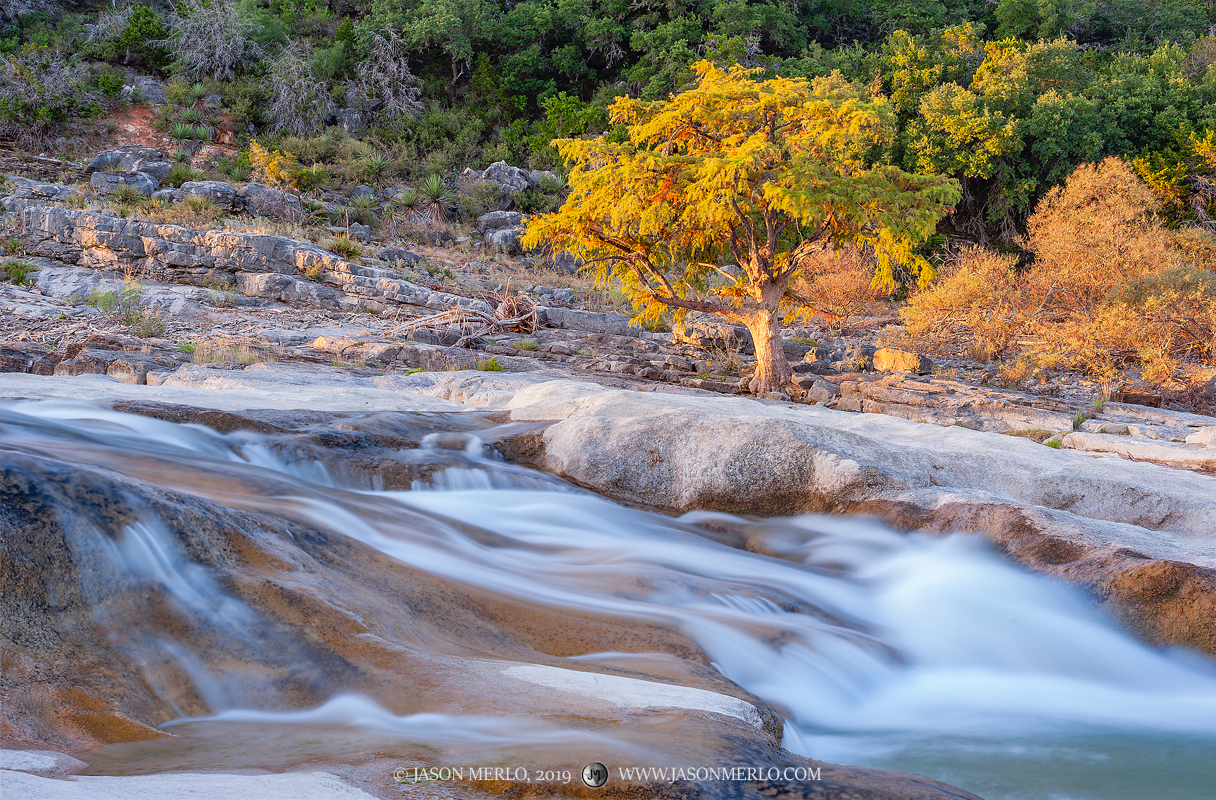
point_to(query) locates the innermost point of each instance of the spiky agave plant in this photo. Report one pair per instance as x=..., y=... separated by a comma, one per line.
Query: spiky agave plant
x=376, y=167
x=182, y=131
x=436, y=201
x=197, y=93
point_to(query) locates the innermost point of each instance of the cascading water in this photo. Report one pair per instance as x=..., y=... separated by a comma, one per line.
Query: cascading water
x=924, y=654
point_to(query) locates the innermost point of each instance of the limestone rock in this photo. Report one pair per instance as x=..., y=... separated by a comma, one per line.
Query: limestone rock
x=397, y=254
x=132, y=158
x=360, y=232
x=436, y=238
x=890, y=359
x=263, y=201
x=511, y=179
x=505, y=239
x=353, y=121
x=145, y=89
x=1176, y=455
x=275, y=286
x=497, y=220
x=711, y=331
x=588, y=321
x=219, y=192
x=537, y=176
x=171, y=195
x=108, y=182
x=362, y=191
x=131, y=370
x=1205, y=436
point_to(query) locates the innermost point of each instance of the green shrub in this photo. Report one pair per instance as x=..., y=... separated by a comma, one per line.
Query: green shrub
x=18, y=272
x=179, y=174
x=346, y=247
x=490, y=365
x=125, y=193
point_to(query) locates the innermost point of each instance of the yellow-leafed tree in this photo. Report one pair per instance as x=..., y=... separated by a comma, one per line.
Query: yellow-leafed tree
x=740, y=172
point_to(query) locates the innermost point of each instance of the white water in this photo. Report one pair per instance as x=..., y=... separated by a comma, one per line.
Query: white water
x=926, y=654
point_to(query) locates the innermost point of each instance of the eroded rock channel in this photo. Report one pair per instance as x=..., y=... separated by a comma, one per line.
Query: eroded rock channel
x=455, y=577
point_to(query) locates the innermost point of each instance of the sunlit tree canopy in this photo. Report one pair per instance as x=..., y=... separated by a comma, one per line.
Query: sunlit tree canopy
x=719, y=195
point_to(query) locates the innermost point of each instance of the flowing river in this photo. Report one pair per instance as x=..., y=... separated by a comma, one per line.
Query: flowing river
x=922, y=654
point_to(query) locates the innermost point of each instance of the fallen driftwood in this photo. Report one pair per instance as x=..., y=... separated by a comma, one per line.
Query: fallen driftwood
x=513, y=315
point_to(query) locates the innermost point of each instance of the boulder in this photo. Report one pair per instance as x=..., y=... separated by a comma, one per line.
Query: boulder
x=510, y=179
x=397, y=254
x=170, y=194
x=274, y=286
x=711, y=331
x=145, y=89
x=795, y=350
x=351, y=120
x=536, y=176
x=132, y=158
x=889, y=359
x=108, y=182
x=436, y=238
x=32, y=193
x=566, y=262
x=128, y=370
x=505, y=239
x=219, y=192
x=263, y=201
x=360, y=232
x=590, y=321
x=497, y=220
x=363, y=191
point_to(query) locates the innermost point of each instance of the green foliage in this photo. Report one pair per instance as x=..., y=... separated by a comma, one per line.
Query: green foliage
x=346, y=247
x=140, y=41
x=18, y=272
x=179, y=174
x=436, y=202
x=377, y=167
x=737, y=172
x=128, y=307
x=1183, y=178
x=39, y=91
x=490, y=365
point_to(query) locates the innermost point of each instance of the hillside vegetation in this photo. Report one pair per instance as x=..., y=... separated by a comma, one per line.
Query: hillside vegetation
x=1008, y=98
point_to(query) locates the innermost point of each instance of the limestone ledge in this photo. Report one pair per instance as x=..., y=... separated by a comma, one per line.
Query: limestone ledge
x=264, y=265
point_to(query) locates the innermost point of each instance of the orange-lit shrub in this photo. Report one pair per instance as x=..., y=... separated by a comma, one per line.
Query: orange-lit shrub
x=1110, y=286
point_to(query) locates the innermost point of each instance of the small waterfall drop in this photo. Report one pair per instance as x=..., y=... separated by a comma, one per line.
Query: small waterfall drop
x=928, y=654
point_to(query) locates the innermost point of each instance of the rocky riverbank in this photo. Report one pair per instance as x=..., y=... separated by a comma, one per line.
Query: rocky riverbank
x=254, y=330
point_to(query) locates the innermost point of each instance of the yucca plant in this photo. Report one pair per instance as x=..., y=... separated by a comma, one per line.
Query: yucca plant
x=408, y=202
x=346, y=247
x=182, y=157
x=239, y=172
x=192, y=116
x=202, y=133
x=182, y=131
x=376, y=167
x=551, y=184
x=125, y=194
x=363, y=209
x=197, y=93
x=436, y=200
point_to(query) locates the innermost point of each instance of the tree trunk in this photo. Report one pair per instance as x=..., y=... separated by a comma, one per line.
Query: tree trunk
x=773, y=373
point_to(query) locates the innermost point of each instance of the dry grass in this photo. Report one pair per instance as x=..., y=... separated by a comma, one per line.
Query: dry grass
x=1111, y=288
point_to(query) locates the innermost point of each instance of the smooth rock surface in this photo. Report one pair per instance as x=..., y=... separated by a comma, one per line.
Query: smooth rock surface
x=259, y=386
x=181, y=786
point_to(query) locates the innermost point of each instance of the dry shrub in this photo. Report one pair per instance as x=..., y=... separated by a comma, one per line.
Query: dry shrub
x=838, y=285
x=1110, y=287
